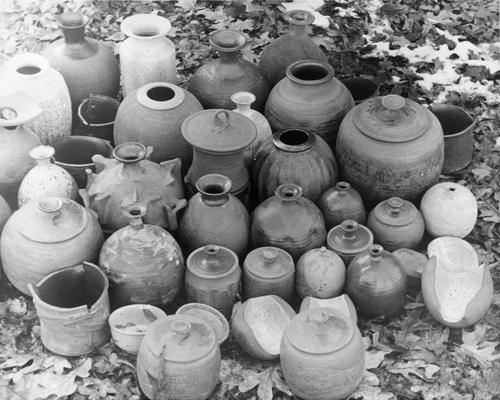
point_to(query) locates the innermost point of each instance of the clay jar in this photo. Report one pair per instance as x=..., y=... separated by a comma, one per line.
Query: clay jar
x=147, y=55
x=143, y=262
x=268, y=271
x=213, y=277
x=311, y=98
x=179, y=358
x=214, y=216
x=294, y=46
x=153, y=115
x=396, y=223
x=341, y=202
x=289, y=221
x=215, y=82
x=294, y=156
x=47, y=235
x=390, y=146
x=349, y=239
x=322, y=355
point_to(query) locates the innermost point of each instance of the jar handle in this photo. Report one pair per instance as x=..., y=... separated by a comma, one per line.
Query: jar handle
x=222, y=122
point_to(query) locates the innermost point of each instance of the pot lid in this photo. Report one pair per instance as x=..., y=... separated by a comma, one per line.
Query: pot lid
x=211, y=316
x=219, y=131
x=395, y=212
x=349, y=237
x=212, y=262
x=181, y=338
x=269, y=262
x=391, y=118
x=320, y=330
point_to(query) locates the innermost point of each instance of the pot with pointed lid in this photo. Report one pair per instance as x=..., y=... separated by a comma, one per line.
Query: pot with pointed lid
x=213, y=277
x=322, y=355
x=179, y=358
x=396, y=223
x=341, y=202
x=349, y=239
x=268, y=270
x=390, y=146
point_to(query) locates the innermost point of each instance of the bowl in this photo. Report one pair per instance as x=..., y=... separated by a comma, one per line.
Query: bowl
x=210, y=315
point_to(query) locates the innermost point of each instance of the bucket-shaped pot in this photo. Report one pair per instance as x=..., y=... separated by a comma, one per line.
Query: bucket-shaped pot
x=361, y=88
x=74, y=154
x=73, y=307
x=96, y=115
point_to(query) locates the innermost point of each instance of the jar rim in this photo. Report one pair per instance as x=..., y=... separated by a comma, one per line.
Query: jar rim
x=309, y=72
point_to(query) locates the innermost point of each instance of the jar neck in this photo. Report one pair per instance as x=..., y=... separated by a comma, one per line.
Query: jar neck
x=299, y=30
x=73, y=34
x=229, y=57
x=349, y=230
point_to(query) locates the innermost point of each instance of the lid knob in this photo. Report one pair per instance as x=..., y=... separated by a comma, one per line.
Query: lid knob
x=181, y=327
x=50, y=204
x=7, y=113
x=222, y=119
x=395, y=203
x=270, y=255
x=319, y=317
x=349, y=226
x=393, y=102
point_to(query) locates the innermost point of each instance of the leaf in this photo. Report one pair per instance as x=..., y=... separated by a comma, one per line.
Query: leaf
x=117, y=36
x=369, y=389
x=186, y=5
x=265, y=380
x=481, y=173
x=374, y=358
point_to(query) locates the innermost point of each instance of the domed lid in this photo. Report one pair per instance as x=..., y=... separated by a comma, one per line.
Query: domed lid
x=320, y=330
x=212, y=262
x=395, y=212
x=391, y=118
x=219, y=131
x=180, y=338
x=349, y=237
x=269, y=262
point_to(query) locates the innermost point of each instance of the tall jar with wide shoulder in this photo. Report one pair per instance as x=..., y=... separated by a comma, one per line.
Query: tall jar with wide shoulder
x=311, y=98
x=294, y=156
x=342, y=202
x=46, y=235
x=147, y=55
x=390, y=147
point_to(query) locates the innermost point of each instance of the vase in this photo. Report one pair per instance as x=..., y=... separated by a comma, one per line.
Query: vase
x=97, y=115
x=349, y=239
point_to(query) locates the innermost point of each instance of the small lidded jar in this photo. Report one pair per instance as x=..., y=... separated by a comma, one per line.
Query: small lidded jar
x=349, y=239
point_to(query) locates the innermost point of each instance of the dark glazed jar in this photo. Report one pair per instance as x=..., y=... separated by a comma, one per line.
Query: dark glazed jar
x=215, y=82
x=349, y=239
x=294, y=156
x=294, y=46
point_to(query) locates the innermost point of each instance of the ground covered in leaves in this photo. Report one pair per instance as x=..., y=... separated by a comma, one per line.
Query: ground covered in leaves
x=428, y=50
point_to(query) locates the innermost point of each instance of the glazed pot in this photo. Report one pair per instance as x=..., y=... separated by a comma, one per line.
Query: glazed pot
x=376, y=282
x=294, y=46
x=322, y=355
x=361, y=88
x=289, y=221
x=31, y=73
x=349, y=239
x=396, y=223
x=153, y=115
x=215, y=82
x=293, y=156
x=143, y=262
x=146, y=55
x=179, y=358
x=97, y=116
x=214, y=216
x=47, y=235
x=342, y=303
x=268, y=271
x=131, y=178
x=213, y=277
x=341, y=202
x=390, y=147
x=311, y=98
x=73, y=308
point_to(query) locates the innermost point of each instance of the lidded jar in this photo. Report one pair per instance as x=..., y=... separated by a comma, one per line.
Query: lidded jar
x=144, y=262
x=349, y=239
x=322, y=355
x=390, y=146
x=215, y=82
x=294, y=156
x=179, y=358
x=268, y=271
x=396, y=223
x=213, y=277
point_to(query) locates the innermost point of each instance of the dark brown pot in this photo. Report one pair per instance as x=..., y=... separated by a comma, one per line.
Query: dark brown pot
x=97, y=116
x=349, y=239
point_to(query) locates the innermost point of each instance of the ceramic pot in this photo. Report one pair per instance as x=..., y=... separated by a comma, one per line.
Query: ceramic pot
x=342, y=303
x=289, y=221
x=213, y=277
x=361, y=88
x=414, y=264
x=179, y=358
x=47, y=235
x=294, y=46
x=97, y=116
x=322, y=355
x=131, y=178
x=293, y=156
x=376, y=282
x=73, y=308
x=349, y=239
x=390, y=147
x=396, y=223
x=341, y=202
x=311, y=98
x=268, y=271
x=146, y=55
x=5, y=212
x=46, y=179
x=215, y=82
x=214, y=216
x=153, y=115
x=32, y=74
x=144, y=263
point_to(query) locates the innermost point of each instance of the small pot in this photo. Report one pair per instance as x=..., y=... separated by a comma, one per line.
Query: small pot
x=97, y=116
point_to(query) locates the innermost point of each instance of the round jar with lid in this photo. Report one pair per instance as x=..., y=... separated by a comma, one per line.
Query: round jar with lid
x=322, y=355
x=268, y=270
x=396, y=223
x=349, y=239
x=390, y=146
x=179, y=358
